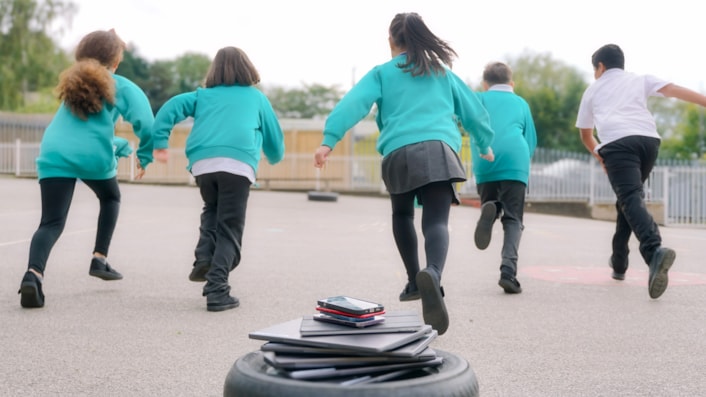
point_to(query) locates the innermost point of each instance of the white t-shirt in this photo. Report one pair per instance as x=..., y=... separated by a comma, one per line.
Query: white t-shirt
x=223, y=164
x=616, y=105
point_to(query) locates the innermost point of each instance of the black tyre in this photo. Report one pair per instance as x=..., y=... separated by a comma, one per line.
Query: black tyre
x=322, y=196
x=250, y=376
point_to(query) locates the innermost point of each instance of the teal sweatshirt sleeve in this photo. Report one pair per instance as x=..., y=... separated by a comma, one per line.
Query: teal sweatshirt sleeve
x=175, y=110
x=530, y=133
x=352, y=108
x=272, y=135
x=121, y=146
x=472, y=114
x=132, y=103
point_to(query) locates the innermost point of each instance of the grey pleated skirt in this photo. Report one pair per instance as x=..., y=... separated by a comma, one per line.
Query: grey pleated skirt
x=413, y=166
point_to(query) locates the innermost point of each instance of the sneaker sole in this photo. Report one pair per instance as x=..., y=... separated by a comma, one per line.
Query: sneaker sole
x=484, y=227
x=105, y=275
x=658, y=284
x=29, y=296
x=220, y=308
x=618, y=276
x=433, y=307
x=509, y=287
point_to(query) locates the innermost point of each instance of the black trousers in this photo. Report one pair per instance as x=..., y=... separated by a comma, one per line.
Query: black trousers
x=628, y=163
x=509, y=199
x=57, y=194
x=436, y=198
x=225, y=198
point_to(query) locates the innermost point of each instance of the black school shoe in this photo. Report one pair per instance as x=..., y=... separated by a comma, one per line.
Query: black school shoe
x=662, y=260
x=31, y=295
x=510, y=284
x=409, y=293
x=198, y=272
x=221, y=302
x=618, y=272
x=484, y=227
x=433, y=307
x=103, y=270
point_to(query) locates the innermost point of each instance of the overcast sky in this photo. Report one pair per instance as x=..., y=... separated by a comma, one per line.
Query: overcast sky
x=336, y=41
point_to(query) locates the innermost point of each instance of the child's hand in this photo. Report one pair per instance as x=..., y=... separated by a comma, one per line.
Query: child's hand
x=321, y=155
x=161, y=155
x=490, y=156
x=140, y=170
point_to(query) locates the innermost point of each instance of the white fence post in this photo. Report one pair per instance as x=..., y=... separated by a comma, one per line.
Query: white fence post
x=18, y=145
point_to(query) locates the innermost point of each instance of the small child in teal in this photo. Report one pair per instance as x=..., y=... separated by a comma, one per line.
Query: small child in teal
x=234, y=123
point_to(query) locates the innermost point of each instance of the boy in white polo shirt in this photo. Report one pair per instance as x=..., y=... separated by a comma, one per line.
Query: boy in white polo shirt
x=627, y=146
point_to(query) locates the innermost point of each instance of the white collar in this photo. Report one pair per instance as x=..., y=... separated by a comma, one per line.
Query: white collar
x=501, y=87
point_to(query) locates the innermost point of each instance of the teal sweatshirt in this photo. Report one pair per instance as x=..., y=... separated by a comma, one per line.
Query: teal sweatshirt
x=75, y=148
x=121, y=146
x=515, y=137
x=237, y=122
x=410, y=109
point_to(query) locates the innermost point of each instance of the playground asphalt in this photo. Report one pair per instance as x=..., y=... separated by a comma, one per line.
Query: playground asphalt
x=572, y=332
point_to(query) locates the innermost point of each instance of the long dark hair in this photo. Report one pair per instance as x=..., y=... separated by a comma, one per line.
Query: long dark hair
x=426, y=53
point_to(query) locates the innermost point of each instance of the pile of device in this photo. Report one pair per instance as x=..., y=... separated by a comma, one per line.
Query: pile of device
x=350, y=341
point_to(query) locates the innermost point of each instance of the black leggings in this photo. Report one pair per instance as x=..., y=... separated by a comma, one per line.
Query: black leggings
x=436, y=198
x=57, y=194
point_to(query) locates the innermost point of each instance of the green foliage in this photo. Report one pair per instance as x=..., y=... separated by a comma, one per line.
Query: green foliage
x=191, y=69
x=162, y=80
x=42, y=102
x=553, y=91
x=688, y=140
x=310, y=102
x=29, y=58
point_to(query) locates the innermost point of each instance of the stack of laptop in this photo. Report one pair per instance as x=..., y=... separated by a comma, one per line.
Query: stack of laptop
x=309, y=349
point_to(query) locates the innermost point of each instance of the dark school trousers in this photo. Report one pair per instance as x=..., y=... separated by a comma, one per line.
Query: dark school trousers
x=57, y=194
x=509, y=199
x=225, y=198
x=628, y=163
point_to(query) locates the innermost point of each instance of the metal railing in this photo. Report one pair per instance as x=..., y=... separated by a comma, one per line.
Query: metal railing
x=680, y=187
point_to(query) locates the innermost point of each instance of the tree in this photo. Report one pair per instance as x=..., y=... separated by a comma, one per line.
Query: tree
x=191, y=69
x=553, y=91
x=165, y=78
x=688, y=139
x=30, y=61
x=311, y=102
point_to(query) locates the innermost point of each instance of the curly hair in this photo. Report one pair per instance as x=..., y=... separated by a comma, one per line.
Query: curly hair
x=84, y=86
x=87, y=84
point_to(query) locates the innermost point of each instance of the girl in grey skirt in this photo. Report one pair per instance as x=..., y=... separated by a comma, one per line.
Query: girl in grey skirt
x=420, y=104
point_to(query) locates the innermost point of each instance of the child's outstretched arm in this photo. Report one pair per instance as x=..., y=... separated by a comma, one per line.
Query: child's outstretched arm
x=683, y=93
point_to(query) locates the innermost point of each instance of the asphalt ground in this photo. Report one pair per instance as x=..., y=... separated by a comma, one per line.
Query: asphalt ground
x=573, y=331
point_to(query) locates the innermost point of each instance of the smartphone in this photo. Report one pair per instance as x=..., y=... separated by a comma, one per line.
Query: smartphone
x=349, y=305
x=357, y=324
x=348, y=315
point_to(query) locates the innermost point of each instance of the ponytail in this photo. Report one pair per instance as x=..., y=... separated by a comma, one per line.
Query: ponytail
x=84, y=87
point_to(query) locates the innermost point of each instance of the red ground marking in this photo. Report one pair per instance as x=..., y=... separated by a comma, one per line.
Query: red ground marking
x=602, y=276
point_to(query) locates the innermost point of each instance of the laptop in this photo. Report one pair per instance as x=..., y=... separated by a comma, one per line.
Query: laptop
x=288, y=332
x=333, y=372
x=291, y=362
x=413, y=348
